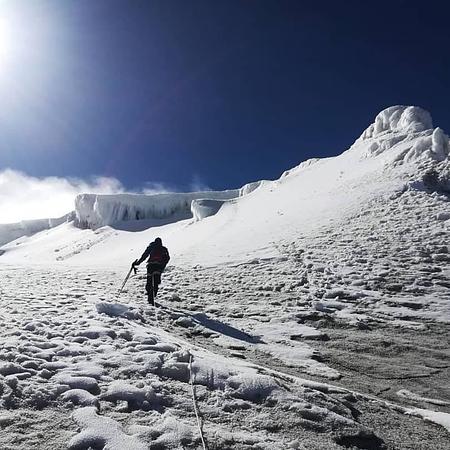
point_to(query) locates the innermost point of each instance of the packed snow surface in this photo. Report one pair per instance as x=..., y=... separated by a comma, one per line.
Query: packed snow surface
x=309, y=312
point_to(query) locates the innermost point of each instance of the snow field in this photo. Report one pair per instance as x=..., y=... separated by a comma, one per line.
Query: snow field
x=101, y=365
x=82, y=350
x=316, y=309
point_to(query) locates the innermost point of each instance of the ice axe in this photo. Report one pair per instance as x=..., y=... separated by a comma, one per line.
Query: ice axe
x=133, y=267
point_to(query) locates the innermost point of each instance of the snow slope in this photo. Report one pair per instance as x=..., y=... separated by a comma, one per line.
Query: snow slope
x=310, y=313
x=11, y=231
x=393, y=154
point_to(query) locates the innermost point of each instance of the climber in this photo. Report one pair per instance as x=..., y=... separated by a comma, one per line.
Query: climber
x=158, y=257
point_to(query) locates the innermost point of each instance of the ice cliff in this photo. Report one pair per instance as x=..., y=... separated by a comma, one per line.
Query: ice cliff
x=94, y=211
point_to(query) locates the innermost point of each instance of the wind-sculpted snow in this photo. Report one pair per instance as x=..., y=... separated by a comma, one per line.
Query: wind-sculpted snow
x=402, y=119
x=205, y=208
x=404, y=135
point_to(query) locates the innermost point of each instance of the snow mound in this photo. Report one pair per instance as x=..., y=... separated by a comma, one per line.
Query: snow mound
x=252, y=387
x=118, y=310
x=135, y=397
x=101, y=432
x=80, y=397
x=88, y=384
x=173, y=433
x=404, y=119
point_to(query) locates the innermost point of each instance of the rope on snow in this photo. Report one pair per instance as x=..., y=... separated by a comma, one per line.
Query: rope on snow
x=191, y=382
x=194, y=401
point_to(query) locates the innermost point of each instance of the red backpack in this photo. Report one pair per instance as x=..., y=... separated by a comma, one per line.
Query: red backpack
x=158, y=255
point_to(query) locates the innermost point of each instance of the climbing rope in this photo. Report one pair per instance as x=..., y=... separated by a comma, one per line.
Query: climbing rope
x=191, y=381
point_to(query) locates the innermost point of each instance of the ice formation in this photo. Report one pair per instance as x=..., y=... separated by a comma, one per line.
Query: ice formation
x=404, y=134
x=204, y=208
x=94, y=211
x=404, y=119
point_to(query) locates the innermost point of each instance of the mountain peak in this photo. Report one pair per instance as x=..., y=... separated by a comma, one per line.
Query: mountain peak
x=400, y=119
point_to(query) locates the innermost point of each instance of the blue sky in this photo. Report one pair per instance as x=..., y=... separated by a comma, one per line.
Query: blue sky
x=215, y=93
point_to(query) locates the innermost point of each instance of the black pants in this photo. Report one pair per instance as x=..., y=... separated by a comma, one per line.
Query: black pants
x=153, y=279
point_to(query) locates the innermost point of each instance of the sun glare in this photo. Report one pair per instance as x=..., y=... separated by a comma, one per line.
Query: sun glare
x=6, y=41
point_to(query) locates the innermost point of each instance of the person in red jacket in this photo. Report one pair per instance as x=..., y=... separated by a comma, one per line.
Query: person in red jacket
x=158, y=257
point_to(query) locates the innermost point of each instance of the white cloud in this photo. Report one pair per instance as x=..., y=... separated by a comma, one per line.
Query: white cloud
x=26, y=197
